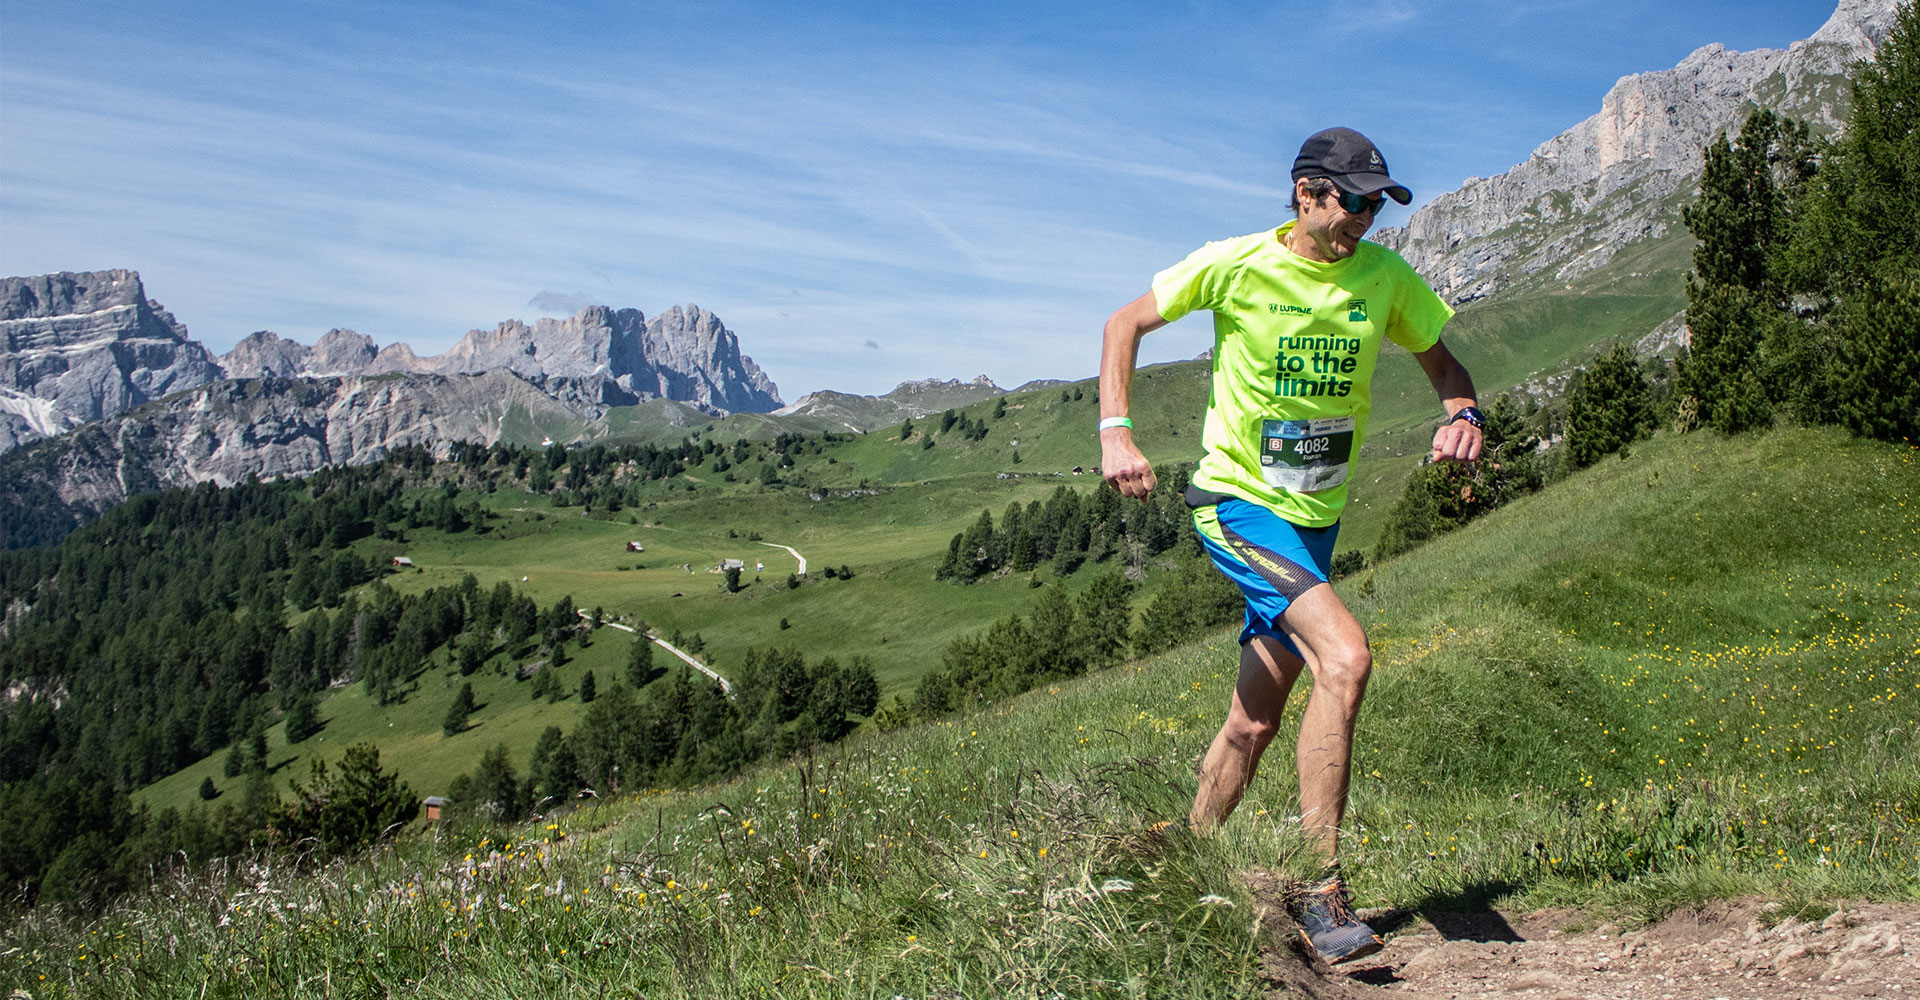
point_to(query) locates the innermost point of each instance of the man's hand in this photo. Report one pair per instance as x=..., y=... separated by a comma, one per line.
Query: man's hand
x=1456, y=441
x=1123, y=465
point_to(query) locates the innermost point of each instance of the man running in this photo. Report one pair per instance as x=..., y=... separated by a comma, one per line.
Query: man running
x=1298, y=316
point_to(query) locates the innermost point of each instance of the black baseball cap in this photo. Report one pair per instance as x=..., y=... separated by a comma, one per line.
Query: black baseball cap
x=1351, y=161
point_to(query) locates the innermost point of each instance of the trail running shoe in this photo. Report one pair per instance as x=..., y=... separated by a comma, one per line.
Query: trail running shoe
x=1327, y=920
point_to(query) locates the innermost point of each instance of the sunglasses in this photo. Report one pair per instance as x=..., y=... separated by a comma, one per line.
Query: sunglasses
x=1355, y=204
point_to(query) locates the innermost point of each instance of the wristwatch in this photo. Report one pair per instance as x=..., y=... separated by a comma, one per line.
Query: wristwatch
x=1470, y=415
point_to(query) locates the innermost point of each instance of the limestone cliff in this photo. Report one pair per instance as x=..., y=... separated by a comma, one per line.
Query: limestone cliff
x=1621, y=175
x=686, y=355
x=78, y=347
x=224, y=431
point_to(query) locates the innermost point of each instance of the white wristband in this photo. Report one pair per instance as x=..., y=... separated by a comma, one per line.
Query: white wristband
x=1107, y=422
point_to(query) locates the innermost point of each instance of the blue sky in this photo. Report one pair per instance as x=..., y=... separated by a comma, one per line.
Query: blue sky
x=864, y=193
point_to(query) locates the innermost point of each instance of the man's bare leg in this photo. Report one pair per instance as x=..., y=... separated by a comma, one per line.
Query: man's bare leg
x=1335, y=649
x=1267, y=673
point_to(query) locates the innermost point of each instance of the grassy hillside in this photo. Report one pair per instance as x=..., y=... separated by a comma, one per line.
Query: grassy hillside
x=1681, y=675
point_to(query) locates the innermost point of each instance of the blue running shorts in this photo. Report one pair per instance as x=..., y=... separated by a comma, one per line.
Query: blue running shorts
x=1272, y=560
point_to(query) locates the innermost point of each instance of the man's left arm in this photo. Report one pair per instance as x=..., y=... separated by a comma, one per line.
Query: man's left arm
x=1456, y=440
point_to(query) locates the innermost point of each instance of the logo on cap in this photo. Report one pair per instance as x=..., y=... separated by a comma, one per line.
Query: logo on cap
x=1373, y=157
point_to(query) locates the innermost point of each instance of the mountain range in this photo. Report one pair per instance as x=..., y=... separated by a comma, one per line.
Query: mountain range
x=134, y=404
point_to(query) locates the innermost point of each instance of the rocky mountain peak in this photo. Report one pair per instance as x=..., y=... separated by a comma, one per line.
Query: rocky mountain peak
x=340, y=352
x=265, y=354
x=609, y=356
x=50, y=296
x=80, y=346
x=1856, y=24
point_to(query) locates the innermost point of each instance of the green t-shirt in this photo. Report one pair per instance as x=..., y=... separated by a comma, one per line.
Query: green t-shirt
x=1294, y=347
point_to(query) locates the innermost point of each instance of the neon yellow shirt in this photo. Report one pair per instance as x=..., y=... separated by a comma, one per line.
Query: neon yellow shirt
x=1294, y=347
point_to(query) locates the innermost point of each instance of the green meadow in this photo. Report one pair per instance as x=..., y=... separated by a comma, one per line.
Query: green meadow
x=1685, y=674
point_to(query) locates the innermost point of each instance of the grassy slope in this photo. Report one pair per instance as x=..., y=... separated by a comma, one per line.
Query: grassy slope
x=1684, y=674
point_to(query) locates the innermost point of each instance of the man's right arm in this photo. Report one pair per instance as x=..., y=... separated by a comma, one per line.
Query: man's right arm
x=1120, y=460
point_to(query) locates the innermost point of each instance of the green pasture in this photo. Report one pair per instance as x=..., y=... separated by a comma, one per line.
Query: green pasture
x=892, y=610
x=409, y=731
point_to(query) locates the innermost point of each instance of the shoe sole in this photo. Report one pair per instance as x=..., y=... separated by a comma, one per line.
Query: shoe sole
x=1371, y=947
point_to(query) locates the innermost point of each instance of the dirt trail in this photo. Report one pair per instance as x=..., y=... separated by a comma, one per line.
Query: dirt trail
x=1731, y=950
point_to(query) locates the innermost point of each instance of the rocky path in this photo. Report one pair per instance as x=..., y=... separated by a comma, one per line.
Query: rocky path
x=725, y=686
x=1729, y=950
x=802, y=560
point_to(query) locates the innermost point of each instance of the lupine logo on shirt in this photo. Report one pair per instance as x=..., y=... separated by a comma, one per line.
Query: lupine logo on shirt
x=1357, y=311
x=1276, y=307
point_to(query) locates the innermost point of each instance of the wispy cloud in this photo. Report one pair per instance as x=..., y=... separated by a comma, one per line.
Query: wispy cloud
x=562, y=303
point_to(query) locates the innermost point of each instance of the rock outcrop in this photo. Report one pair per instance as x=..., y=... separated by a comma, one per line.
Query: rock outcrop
x=614, y=356
x=78, y=347
x=908, y=400
x=266, y=355
x=1620, y=176
x=81, y=347
x=224, y=431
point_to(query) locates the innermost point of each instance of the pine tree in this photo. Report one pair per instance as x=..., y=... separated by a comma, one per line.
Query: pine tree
x=207, y=792
x=640, y=661
x=587, y=688
x=861, y=689
x=348, y=809
x=1735, y=297
x=458, y=712
x=1610, y=408
x=303, y=719
x=1105, y=620
x=1856, y=248
x=497, y=792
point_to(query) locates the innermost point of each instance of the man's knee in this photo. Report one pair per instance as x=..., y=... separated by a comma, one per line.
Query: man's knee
x=1344, y=670
x=1246, y=733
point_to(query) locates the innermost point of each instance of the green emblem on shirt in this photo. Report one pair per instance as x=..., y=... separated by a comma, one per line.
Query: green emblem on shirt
x=1357, y=311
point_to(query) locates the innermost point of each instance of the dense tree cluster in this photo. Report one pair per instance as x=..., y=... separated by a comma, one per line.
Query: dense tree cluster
x=1063, y=637
x=681, y=731
x=190, y=620
x=969, y=428
x=1069, y=530
x=1805, y=294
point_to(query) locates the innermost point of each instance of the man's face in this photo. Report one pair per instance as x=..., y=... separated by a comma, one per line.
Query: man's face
x=1335, y=232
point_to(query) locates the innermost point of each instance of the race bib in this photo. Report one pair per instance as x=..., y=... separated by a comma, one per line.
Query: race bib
x=1305, y=456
